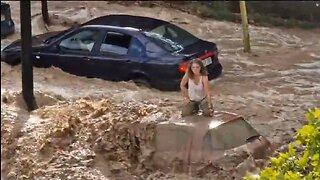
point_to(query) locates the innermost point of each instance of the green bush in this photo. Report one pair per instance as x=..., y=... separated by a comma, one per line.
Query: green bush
x=293, y=165
x=222, y=10
x=266, y=20
x=214, y=9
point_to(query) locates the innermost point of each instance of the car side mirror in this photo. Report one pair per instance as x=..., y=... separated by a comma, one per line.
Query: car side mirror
x=55, y=48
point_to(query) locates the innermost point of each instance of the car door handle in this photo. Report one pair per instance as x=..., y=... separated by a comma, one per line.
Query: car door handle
x=86, y=58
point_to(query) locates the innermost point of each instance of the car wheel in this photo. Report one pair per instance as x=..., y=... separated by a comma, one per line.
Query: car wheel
x=142, y=82
x=14, y=62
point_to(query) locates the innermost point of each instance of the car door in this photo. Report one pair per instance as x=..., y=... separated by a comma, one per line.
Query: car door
x=72, y=53
x=76, y=50
x=116, y=56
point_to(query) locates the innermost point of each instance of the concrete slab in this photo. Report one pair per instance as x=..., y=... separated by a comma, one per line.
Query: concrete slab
x=198, y=139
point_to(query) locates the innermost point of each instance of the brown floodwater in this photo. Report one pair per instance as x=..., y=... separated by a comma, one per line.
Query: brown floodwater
x=271, y=88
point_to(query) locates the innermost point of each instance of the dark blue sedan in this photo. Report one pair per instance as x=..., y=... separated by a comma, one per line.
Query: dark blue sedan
x=7, y=24
x=122, y=47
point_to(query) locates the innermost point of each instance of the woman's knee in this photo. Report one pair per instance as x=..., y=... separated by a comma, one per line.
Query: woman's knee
x=188, y=109
x=186, y=113
x=206, y=111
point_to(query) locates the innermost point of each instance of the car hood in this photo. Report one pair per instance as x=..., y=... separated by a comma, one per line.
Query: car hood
x=37, y=40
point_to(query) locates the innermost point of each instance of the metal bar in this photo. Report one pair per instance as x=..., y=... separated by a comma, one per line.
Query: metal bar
x=26, y=54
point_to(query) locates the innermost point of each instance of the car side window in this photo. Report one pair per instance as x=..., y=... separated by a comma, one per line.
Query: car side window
x=3, y=18
x=82, y=41
x=136, y=48
x=115, y=43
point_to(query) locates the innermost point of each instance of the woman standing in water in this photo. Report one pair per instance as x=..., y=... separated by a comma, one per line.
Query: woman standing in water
x=197, y=95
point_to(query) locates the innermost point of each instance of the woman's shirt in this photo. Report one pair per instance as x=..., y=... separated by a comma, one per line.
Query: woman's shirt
x=196, y=91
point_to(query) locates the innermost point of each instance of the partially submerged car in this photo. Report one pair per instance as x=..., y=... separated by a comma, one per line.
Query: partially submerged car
x=7, y=24
x=148, y=51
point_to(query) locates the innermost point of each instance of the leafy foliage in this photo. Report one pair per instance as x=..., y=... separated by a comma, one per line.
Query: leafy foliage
x=292, y=165
x=302, y=14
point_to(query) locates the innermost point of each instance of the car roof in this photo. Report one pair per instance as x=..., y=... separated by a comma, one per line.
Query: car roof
x=112, y=27
x=122, y=20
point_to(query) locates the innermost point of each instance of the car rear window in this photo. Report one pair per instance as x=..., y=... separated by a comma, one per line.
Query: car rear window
x=171, y=37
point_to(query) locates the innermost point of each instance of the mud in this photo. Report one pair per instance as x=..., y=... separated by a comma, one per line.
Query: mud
x=271, y=88
x=69, y=137
x=99, y=139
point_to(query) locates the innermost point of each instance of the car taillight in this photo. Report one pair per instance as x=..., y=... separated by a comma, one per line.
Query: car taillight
x=183, y=67
x=208, y=54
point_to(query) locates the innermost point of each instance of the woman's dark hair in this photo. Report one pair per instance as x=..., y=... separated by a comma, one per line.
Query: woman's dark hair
x=203, y=70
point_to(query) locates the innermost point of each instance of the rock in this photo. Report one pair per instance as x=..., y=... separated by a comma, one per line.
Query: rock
x=260, y=163
x=283, y=148
x=293, y=130
x=156, y=175
x=5, y=99
x=259, y=148
x=209, y=168
x=242, y=168
x=116, y=168
x=277, y=139
x=299, y=148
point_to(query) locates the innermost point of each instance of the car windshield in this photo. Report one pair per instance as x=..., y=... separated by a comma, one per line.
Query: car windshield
x=53, y=37
x=171, y=37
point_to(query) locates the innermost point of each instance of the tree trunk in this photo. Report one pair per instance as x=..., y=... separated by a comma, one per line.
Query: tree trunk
x=44, y=11
x=26, y=52
x=245, y=29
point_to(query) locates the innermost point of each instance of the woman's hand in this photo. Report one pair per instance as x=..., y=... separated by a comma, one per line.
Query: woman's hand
x=209, y=103
x=211, y=110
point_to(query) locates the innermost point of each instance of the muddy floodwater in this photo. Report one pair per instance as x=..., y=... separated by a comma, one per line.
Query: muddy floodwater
x=80, y=130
